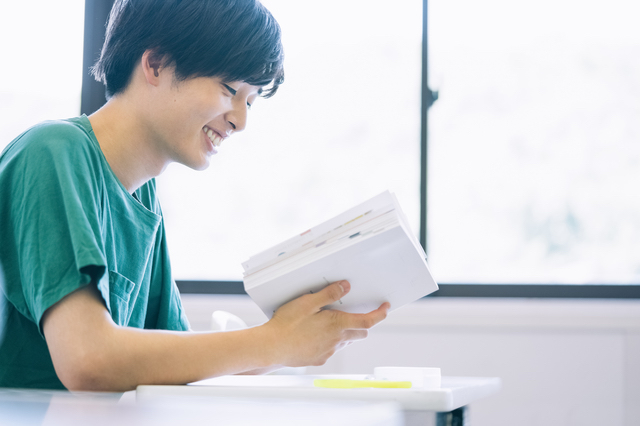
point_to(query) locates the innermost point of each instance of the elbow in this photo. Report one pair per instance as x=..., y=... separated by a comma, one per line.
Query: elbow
x=90, y=372
x=87, y=354
x=81, y=382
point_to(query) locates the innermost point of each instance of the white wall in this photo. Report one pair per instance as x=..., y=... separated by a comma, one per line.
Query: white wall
x=562, y=362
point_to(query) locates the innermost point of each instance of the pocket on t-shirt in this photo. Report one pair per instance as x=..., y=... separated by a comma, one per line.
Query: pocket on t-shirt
x=120, y=289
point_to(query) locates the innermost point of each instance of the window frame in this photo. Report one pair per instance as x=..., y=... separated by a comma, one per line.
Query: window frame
x=93, y=97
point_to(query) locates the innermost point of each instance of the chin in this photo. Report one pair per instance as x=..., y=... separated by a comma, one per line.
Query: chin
x=199, y=164
x=202, y=166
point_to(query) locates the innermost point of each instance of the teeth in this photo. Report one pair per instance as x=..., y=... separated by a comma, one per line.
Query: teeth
x=215, y=139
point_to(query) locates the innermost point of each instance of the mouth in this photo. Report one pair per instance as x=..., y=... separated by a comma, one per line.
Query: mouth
x=214, y=138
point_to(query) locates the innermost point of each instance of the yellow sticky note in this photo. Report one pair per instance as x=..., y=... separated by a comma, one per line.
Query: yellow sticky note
x=351, y=384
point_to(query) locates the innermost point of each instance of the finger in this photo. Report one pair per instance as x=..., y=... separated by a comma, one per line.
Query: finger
x=331, y=293
x=366, y=321
x=355, y=335
x=342, y=346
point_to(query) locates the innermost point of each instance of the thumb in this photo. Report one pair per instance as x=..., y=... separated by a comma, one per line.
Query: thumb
x=332, y=293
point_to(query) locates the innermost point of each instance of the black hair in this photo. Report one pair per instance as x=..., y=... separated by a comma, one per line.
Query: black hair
x=235, y=40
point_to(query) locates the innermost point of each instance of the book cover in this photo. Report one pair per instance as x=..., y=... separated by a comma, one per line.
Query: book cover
x=370, y=245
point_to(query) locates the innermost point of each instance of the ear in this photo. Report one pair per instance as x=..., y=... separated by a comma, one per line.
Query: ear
x=152, y=67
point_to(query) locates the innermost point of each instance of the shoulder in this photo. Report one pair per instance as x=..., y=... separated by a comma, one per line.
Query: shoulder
x=58, y=129
x=67, y=142
x=58, y=136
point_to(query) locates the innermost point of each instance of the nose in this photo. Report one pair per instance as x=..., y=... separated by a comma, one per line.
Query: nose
x=237, y=118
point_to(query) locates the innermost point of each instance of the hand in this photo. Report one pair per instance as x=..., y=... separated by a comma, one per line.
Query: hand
x=305, y=334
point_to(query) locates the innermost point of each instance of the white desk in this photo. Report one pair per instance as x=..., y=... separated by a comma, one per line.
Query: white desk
x=20, y=407
x=445, y=405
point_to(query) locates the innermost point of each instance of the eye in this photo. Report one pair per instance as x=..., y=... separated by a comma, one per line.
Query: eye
x=251, y=100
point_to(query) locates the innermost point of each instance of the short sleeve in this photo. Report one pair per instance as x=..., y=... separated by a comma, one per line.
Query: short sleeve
x=50, y=180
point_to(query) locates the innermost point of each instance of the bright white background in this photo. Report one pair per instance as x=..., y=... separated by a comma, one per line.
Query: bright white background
x=41, y=74
x=534, y=144
x=534, y=159
x=344, y=127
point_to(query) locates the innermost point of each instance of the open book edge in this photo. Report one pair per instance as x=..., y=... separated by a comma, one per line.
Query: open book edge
x=343, y=219
x=386, y=266
x=383, y=268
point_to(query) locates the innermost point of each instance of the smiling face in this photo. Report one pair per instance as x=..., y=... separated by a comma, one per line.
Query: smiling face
x=192, y=118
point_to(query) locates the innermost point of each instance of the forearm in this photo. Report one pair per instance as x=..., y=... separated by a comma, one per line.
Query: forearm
x=90, y=352
x=130, y=357
x=133, y=357
x=259, y=371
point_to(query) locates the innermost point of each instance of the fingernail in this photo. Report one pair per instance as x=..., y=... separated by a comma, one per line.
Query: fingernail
x=341, y=288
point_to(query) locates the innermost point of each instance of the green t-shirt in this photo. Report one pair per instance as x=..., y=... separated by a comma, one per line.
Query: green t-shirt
x=66, y=220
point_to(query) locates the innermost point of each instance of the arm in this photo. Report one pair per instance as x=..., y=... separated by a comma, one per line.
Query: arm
x=90, y=352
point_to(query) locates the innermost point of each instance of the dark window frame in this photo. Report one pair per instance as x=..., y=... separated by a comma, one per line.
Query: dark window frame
x=93, y=97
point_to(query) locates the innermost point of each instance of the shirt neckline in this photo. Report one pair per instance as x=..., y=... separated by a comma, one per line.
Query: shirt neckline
x=83, y=120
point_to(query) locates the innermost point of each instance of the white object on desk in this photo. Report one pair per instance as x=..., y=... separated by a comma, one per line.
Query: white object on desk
x=455, y=392
x=226, y=321
x=420, y=377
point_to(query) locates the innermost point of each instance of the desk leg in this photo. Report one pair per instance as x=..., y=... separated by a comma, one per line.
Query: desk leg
x=457, y=417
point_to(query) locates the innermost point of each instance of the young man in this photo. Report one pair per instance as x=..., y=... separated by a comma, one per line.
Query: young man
x=90, y=298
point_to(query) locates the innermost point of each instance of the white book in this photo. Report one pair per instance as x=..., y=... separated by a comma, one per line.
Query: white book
x=370, y=245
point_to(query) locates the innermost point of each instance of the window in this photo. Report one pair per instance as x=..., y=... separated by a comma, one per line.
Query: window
x=534, y=143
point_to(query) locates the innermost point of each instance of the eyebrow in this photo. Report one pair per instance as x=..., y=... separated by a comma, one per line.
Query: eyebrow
x=233, y=92
x=230, y=89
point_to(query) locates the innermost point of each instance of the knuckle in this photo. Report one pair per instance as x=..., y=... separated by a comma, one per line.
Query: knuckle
x=336, y=319
x=334, y=292
x=306, y=300
x=333, y=315
x=368, y=322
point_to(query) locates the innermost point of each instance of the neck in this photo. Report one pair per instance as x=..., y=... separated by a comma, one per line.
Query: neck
x=127, y=143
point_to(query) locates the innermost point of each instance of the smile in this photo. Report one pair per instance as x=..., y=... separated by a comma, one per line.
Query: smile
x=215, y=139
